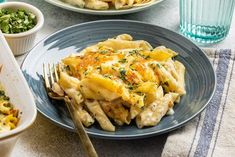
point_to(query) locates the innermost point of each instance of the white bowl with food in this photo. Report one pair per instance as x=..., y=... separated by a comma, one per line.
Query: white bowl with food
x=24, y=112
x=105, y=7
x=20, y=30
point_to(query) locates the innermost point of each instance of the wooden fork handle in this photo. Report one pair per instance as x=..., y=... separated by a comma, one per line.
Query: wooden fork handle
x=86, y=142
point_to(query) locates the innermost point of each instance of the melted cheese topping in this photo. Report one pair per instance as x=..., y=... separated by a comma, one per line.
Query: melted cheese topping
x=125, y=78
x=119, y=71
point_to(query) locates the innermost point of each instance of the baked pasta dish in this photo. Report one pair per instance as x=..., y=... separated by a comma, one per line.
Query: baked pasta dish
x=8, y=115
x=122, y=80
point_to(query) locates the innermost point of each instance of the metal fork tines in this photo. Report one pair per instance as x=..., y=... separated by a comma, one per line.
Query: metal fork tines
x=54, y=91
x=53, y=75
x=51, y=79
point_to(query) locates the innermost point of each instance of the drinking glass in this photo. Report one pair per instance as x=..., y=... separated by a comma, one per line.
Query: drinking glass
x=206, y=21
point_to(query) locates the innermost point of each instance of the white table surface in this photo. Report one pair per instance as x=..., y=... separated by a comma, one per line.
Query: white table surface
x=45, y=139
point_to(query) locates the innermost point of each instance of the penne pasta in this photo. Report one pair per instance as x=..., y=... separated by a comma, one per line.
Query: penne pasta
x=100, y=116
x=121, y=79
x=152, y=115
x=167, y=79
x=82, y=114
x=116, y=111
x=99, y=89
x=150, y=90
x=67, y=81
x=181, y=72
x=77, y=100
x=170, y=67
x=118, y=44
x=96, y=4
x=134, y=111
x=124, y=37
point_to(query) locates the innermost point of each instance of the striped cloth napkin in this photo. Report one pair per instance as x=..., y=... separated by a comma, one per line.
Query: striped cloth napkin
x=211, y=134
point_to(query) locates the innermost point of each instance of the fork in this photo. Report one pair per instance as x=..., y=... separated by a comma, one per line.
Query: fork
x=55, y=92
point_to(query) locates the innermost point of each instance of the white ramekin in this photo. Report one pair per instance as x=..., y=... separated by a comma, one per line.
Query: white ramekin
x=21, y=43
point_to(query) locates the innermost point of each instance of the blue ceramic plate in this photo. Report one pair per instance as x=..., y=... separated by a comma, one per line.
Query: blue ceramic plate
x=64, y=5
x=200, y=76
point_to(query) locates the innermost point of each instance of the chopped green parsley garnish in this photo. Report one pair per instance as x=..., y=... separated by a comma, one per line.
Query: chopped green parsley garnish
x=122, y=73
x=113, y=68
x=133, y=52
x=158, y=65
x=3, y=96
x=122, y=60
x=131, y=87
x=18, y=21
x=103, y=51
x=67, y=68
x=97, y=58
x=146, y=57
x=85, y=72
x=2, y=93
x=107, y=76
x=140, y=93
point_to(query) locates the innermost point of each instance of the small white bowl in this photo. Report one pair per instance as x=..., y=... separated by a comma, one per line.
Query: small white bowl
x=21, y=43
x=16, y=87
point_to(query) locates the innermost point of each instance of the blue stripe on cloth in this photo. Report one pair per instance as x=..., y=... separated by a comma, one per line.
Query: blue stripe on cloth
x=199, y=118
x=224, y=104
x=213, y=107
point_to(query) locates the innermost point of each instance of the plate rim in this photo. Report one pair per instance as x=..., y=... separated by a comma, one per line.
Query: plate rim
x=102, y=12
x=133, y=136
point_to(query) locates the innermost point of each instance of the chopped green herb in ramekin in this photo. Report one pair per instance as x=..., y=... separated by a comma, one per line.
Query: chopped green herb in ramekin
x=16, y=21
